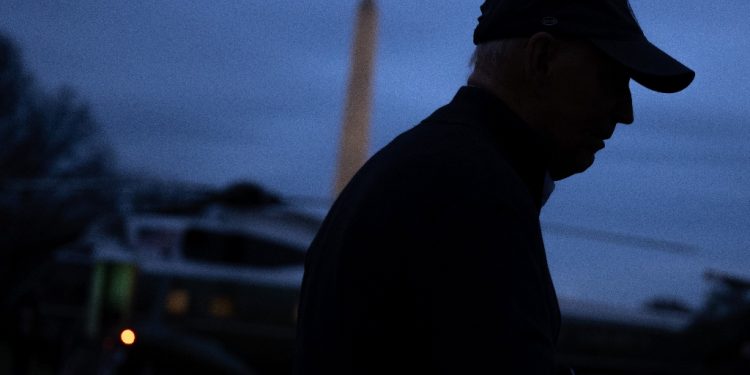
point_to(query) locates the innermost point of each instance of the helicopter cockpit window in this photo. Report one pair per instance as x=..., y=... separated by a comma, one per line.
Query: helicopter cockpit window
x=238, y=249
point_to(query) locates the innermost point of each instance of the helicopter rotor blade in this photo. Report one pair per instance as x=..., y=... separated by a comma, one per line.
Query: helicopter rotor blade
x=618, y=238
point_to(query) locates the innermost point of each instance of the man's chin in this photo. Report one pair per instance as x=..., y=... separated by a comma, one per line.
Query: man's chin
x=568, y=167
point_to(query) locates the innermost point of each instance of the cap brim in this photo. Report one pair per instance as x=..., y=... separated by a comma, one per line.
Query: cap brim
x=648, y=65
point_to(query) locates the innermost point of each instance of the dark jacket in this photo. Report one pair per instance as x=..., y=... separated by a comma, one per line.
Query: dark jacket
x=431, y=260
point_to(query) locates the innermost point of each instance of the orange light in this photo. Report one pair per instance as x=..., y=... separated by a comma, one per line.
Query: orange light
x=178, y=302
x=127, y=336
x=221, y=307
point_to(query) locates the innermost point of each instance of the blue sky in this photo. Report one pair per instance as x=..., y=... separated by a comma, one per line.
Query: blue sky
x=220, y=91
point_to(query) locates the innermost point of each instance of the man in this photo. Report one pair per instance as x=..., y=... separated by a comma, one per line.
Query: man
x=431, y=261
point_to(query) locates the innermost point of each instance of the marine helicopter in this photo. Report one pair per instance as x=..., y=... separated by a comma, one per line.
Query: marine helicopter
x=217, y=290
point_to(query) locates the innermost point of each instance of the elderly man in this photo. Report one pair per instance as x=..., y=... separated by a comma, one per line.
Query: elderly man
x=431, y=260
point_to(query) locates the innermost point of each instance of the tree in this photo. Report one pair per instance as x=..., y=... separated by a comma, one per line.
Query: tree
x=42, y=135
x=13, y=81
x=52, y=163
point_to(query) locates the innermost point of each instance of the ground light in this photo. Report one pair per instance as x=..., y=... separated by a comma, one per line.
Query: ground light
x=127, y=336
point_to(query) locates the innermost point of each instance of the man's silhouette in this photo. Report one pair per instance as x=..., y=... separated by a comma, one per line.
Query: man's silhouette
x=431, y=260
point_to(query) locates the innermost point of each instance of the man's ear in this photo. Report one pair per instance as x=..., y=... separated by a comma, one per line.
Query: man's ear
x=541, y=49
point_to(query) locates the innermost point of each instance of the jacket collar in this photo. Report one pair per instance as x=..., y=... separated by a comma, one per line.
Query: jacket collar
x=526, y=150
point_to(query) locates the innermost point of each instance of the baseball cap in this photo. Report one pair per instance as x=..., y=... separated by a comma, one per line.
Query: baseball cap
x=610, y=25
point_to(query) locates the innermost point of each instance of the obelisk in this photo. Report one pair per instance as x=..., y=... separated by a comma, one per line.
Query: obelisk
x=356, y=122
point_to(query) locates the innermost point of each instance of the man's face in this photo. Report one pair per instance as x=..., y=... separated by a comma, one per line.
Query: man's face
x=587, y=95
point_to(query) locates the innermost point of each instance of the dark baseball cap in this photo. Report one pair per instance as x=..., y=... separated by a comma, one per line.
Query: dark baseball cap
x=610, y=25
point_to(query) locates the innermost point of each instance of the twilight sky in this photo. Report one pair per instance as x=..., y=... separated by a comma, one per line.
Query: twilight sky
x=219, y=91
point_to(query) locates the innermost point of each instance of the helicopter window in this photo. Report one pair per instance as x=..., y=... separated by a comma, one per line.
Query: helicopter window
x=157, y=238
x=238, y=249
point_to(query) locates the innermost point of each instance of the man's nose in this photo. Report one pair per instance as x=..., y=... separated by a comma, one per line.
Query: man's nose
x=625, y=107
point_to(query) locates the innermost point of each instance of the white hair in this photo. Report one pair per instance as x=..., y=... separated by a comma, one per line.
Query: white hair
x=491, y=58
